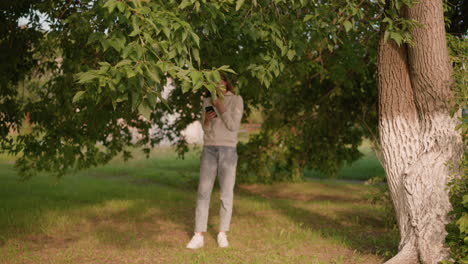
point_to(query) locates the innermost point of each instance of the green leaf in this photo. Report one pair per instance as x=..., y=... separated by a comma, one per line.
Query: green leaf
x=226, y=68
x=463, y=223
x=78, y=96
x=212, y=89
x=196, y=56
x=139, y=51
x=153, y=74
x=148, y=37
x=266, y=82
x=239, y=4
x=291, y=53
x=135, y=26
x=386, y=35
x=396, y=37
x=145, y=10
x=184, y=4
x=151, y=100
x=167, y=32
x=114, y=104
x=307, y=18
x=278, y=43
x=118, y=43
x=184, y=35
x=347, y=25
x=197, y=86
x=135, y=99
x=134, y=32
x=195, y=38
x=121, y=6
x=388, y=21
x=104, y=63
x=123, y=62
x=212, y=76
x=171, y=54
x=145, y=110
x=121, y=98
x=182, y=74
x=110, y=4
x=96, y=36
x=196, y=76
x=85, y=77
x=130, y=73
x=186, y=86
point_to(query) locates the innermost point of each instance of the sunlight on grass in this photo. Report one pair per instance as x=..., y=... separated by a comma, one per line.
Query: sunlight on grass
x=142, y=212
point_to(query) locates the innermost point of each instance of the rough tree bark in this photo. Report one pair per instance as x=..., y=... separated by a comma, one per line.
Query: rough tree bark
x=417, y=134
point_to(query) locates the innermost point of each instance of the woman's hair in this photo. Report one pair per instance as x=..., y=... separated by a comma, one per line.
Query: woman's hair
x=229, y=86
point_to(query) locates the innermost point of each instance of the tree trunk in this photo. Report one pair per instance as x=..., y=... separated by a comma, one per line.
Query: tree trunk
x=418, y=135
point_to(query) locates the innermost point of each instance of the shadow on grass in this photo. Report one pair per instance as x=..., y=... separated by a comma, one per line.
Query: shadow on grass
x=358, y=228
x=128, y=208
x=120, y=211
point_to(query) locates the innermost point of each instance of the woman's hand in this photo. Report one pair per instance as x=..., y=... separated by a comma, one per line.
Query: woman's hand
x=219, y=105
x=208, y=116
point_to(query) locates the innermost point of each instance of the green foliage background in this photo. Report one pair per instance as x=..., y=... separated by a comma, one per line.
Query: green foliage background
x=311, y=62
x=309, y=65
x=457, y=238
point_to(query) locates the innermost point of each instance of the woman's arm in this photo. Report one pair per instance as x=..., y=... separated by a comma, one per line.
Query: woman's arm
x=232, y=119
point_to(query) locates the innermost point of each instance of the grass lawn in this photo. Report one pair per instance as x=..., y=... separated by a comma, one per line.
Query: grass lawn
x=142, y=212
x=363, y=169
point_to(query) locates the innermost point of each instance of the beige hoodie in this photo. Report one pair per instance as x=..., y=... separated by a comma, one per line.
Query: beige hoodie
x=222, y=130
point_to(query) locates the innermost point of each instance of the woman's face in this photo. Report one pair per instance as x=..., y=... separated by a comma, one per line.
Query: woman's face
x=222, y=86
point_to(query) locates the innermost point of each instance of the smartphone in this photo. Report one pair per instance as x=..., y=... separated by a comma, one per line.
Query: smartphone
x=209, y=109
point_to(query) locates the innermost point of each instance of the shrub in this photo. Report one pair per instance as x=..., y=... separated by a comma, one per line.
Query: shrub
x=457, y=237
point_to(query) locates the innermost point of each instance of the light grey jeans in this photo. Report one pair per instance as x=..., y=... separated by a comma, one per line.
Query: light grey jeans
x=220, y=161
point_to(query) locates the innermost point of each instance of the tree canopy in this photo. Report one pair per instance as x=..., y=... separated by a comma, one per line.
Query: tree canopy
x=309, y=65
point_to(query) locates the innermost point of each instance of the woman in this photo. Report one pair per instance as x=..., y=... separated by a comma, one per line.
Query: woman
x=220, y=120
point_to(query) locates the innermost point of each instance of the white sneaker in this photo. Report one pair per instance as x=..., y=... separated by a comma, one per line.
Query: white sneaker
x=222, y=240
x=196, y=242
